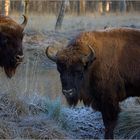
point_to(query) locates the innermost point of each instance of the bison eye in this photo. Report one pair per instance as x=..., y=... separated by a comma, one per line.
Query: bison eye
x=79, y=72
x=79, y=69
x=3, y=40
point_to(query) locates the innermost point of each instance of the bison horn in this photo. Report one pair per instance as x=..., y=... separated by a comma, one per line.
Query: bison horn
x=24, y=22
x=51, y=53
x=90, y=57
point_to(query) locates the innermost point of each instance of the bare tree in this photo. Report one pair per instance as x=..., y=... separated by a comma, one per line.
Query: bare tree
x=122, y=6
x=104, y=3
x=81, y=7
x=5, y=7
x=26, y=7
x=60, y=18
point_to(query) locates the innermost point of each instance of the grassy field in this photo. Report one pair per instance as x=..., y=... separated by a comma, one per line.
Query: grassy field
x=46, y=22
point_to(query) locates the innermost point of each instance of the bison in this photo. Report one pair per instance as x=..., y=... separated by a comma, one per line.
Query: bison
x=101, y=68
x=11, y=36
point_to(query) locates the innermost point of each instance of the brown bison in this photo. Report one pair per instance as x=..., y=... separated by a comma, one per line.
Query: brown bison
x=11, y=35
x=101, y=68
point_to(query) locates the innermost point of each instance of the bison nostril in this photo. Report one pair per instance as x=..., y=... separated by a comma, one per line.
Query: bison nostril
x=19, y=57
x=68, y=92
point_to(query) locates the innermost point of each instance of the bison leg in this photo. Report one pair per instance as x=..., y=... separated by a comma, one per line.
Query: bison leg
x=109, y=129
x=110, y=115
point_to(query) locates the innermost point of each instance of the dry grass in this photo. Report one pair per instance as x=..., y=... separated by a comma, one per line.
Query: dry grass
x=45, y=119
x=29, y=121
x=129, y=124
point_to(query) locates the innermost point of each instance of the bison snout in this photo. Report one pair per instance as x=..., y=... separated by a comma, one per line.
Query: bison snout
x=19, y=58
x=68, y=92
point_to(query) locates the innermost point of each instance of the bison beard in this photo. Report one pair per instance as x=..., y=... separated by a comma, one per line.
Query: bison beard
x=72, y=101
x=111, y=78
x=9, y=71
x=10, y=64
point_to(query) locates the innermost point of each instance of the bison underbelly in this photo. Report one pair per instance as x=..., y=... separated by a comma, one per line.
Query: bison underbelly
x=132, y=89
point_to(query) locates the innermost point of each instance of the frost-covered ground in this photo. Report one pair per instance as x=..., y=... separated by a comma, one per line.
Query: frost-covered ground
x=84, y=123
x=26, y=111
x=43, y=118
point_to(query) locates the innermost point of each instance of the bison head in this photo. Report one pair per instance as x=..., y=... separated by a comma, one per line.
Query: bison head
x=11, y=53
x=72, y=65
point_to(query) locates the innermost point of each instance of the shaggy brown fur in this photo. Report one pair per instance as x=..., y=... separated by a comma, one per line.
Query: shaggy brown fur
x=112, y=77
x=11, y=35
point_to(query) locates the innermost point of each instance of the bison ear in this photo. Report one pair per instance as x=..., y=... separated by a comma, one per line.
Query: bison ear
x=88, y=59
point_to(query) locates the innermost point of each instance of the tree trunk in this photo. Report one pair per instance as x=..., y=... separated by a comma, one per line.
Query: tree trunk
x=5, y=7
x=122, y=6
x=26, y=7
x=60, y=18
x=104, y=7
x=81, y=7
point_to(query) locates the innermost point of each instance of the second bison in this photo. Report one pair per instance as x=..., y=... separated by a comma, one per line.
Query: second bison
x=101, y=68
x=11, y=51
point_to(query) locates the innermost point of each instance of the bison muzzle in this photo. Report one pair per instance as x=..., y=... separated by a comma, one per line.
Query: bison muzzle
x=101, y=68
x=11, y=36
